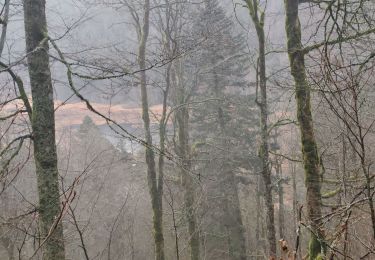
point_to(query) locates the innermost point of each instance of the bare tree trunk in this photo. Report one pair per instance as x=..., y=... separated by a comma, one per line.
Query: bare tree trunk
x=4, y=28
x=253, y=6
x=162, y=133
x=259, y=215
x=369, y=191
x=187, y=181
x=155, y=187
x=236, y=230
x=281, y=200
x=305, y=120
x=292, y=168
x=183, y=150
x=43, y=126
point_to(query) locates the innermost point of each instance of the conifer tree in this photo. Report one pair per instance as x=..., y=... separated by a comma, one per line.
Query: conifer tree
x=222, y=66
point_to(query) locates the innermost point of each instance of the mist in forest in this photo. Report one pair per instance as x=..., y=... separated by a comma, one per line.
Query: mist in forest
x=187, y=129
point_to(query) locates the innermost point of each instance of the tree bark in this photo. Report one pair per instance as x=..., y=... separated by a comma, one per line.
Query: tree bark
x=292, y=168
x=4, y=26
x=263, y=106
x=187, y=180
x=184, y=152
x=281, y=200
x=43, y=127
x=305, y=120
x=154, y=187
x=259, y=230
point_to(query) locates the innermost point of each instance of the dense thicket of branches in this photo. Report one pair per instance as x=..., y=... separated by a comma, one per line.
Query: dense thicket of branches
x=165, y=129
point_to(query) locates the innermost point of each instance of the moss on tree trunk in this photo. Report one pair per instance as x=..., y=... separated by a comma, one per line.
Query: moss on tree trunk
x=305, y=120
x=43, y=127
x=154, y=189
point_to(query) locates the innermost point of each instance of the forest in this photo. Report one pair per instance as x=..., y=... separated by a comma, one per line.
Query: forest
x=187, y=129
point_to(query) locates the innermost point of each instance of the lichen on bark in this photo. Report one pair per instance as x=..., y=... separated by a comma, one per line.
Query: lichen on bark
x=43, y=130
x=304, y=115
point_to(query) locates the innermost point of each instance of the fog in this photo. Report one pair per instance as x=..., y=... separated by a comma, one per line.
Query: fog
x=187, y=129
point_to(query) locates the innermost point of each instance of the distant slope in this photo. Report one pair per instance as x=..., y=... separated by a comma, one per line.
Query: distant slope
x=72, y=114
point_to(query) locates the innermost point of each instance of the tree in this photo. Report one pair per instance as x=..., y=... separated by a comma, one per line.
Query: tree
x=258, y=17
x=4, y=23
x=310, y=155
x=220, y=67
x=182, y=93
x=345, y=30
x=345, y=90
x=206, y=134
x=155, y=184
x=87, y=125
x=43, y=130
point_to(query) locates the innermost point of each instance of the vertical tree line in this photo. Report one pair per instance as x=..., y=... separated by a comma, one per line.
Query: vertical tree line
x=43, y=130
x=216, y=137
x=304, y=115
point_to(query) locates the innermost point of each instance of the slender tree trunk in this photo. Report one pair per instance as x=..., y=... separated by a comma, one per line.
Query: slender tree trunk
x=343, y=166
x=237, y=245
x=305, y=120
x=184, y=152
x=162, y=133
x=264, y=154
x=43, y=127
x=258, y=21
x=4, y=26
x=369, y=191
x=292, y=168
x=154, y=187
x=187, y=181
x=281, y=201
x=259, y=215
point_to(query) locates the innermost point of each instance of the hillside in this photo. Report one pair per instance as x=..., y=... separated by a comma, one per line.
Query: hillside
x=72, y=114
